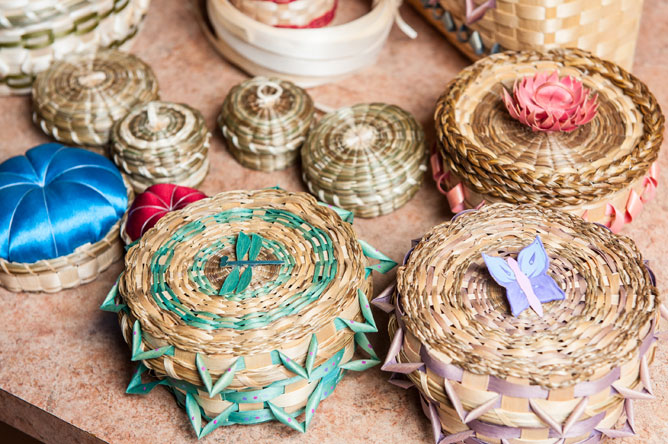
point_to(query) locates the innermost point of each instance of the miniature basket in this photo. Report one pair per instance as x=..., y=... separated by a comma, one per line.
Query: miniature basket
x=33, y=34
x=289, y=13
x=265, y=122
x=78, y=100
x=161, y=142
x=243, y=347
x=487, y=376
x=368, y=158
x=604, y=171
x=88, y=259
x=607, y=29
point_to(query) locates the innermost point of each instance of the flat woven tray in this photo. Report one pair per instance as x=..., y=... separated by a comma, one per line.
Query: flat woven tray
x=241, y=343
x=608, y=29
x=485, y=374
x=161, y=142
x=33, y=34
x=289, y=13
x=497, y=159
x=367, y=158
x=265, y=122
x=78, y=100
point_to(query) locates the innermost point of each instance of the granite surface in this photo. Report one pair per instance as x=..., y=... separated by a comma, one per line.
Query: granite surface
x=63, y=364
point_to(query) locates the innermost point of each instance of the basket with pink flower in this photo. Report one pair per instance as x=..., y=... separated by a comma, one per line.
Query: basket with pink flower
x=561, y=129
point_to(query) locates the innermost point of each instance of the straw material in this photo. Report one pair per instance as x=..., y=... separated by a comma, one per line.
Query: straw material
x=604, y=171
x=607, y=28
x=161, y=142
x=290, y=13
x=78, y=268
x=35, y=34
x=274, y=345
x=368, y=158
x=488, y=375
x=265, y=122
x=78, y=100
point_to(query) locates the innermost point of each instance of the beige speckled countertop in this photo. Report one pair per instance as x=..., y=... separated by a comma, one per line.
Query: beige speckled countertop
x=63, y=364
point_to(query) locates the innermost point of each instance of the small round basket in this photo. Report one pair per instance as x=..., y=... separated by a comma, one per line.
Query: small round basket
x=368, y=158
x=604, y=170
x=290, y=13
x=78, y=100
x=49, y=188
x=485, y=375
x=248, y=306
x=161, y=142
x=265, y=122
x=34, y=34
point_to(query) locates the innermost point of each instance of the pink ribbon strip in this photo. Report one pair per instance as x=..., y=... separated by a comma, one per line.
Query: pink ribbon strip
x=475, y=13
x=455, y=195
x=635, y=202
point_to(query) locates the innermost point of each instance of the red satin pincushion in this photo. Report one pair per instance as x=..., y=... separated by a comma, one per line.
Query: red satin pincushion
x=154, y=203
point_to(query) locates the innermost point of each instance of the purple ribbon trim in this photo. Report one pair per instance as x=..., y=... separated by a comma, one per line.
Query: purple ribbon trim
x=447, y=371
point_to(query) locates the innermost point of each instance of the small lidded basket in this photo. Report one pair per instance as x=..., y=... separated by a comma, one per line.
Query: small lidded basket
x=161, y=142
x=368, y=158
x=519, y=323
x=78, y=100
x=289, y=13
x=248, y=306
x=561, y=129
x=265, y=122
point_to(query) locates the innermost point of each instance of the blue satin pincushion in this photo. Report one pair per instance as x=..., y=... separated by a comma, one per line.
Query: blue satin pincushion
x=55, y=199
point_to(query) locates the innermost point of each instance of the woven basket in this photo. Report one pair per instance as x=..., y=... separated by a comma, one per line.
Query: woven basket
x=487, y=376
x=609, y=29
x=71, y=100
x=289, y=13
x=243, y=347
x=604, y=171
x=368, y=158
x=161, y=142
x=75, y=269
x=35, y=34
x=265, y=122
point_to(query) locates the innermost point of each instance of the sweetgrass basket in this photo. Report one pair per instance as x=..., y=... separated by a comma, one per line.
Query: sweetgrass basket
x=605, y=171
x=161, y=142
x=290, y=13
x=72, y=100
x=484, y=375
x=34, y=34
x=249, y=306
x=265, y=122
x=609, y=29
x=367, y=158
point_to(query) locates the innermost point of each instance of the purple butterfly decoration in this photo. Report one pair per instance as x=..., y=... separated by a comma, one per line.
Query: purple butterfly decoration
x=525, y=279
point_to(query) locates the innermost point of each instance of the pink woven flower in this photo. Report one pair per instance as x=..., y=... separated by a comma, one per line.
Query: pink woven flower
x=548, y=103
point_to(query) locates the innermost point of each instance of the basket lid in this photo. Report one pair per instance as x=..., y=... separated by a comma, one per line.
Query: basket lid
x=366, y=154
x=500, y=157
x=79, y=98
x=266, y=115
x=450, y=302
x=246, y=273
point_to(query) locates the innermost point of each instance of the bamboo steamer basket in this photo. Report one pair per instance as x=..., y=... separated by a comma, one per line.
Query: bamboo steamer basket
x=161, y=142
x=34, y=34
x=486, y=376
x=265, y=122
x=290, y=13
x=608, y=29
x=367, y=158
x=605, y=171
x=78, y=100
x=272, y=350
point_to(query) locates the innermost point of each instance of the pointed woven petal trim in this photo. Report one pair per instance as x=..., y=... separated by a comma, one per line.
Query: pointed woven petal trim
x=225, y=379
x=292, y=365
x=624, y=432
x=136, y=387
x=364, y=345
x=664, y=311
x=138, y=354
x=390, y=364
x=312, y=403
x=281, y=415
x=645, y=377
x=109, y=303
x=457, y=437
x=358, y=327
x=366, y=309
x=632, y=394
x=454, y=399
x=194, y=414
x=430, y=410
x=482, y=409
x=395, y=379
x=575, y=414
x=547, y=419
x=630, y=414
x=312, y=352
x=383, y=300
x=218, y=420
x=504, y=441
